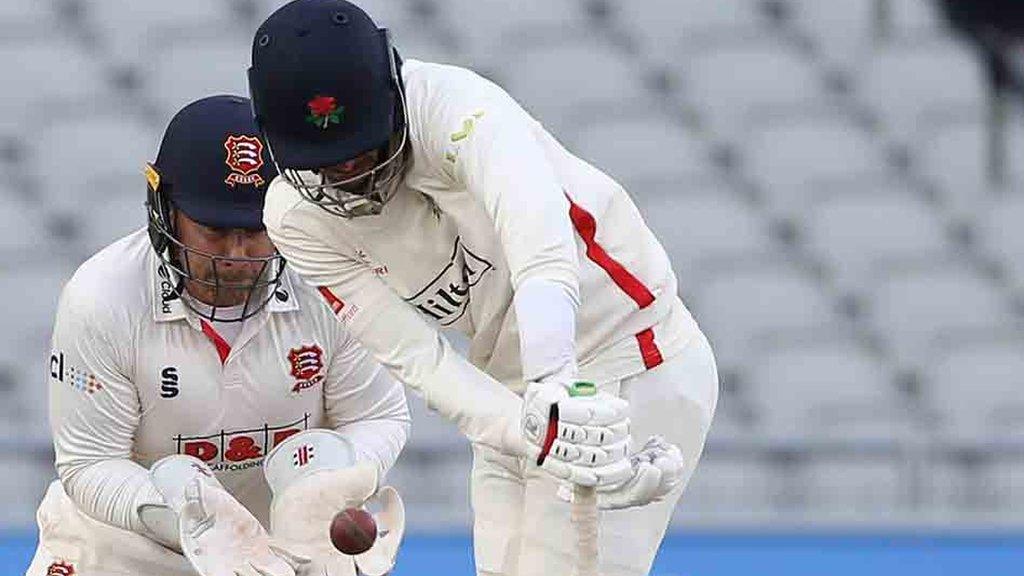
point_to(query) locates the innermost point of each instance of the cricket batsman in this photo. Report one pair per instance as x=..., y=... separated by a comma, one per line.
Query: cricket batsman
x=209, y=414
x=419, y=196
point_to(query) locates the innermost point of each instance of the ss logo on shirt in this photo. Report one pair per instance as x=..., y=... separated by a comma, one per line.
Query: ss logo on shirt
x=169, y=382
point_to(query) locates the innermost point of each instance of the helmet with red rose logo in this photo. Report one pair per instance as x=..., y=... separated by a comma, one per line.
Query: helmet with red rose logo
x=328, y=97
x=212, y=168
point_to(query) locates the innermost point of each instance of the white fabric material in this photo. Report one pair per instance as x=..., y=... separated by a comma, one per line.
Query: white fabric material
x=133, y=379
x=304, y=454
x=546, y=315
x=228, y=330
x=522, y=528
x=657, y=471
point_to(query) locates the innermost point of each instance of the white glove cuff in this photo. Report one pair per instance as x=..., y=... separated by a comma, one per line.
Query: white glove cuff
x=305, y=453
x=171, y=474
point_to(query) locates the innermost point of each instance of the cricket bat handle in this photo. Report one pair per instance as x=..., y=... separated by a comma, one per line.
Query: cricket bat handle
x=584, y=511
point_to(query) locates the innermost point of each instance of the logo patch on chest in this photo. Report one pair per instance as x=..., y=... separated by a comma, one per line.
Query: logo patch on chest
x=446, y=297
x=307, y=363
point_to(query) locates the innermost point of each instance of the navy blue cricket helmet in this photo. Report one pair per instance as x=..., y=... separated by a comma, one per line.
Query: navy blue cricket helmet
x=213, y=167
x=326, y=89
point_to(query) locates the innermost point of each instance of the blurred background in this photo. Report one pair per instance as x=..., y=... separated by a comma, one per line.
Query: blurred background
x=839, y=183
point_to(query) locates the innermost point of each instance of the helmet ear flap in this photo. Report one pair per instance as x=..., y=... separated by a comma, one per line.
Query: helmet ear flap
x=158, y=209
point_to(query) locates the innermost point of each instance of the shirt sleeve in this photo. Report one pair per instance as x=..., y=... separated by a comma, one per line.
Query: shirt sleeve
x=94, y=413
x=365, y=403
x=488, y=145
x=399, y=339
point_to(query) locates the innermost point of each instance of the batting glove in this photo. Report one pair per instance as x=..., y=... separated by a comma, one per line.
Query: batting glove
x=657, y=469
x=582, y=439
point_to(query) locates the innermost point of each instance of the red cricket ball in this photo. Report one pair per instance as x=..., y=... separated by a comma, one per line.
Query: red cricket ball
x=353, y=531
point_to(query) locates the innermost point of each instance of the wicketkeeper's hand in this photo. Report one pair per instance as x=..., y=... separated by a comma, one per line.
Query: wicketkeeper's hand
x=657, y=469
x=313, y=477
x=580, y=438
x=216, y=533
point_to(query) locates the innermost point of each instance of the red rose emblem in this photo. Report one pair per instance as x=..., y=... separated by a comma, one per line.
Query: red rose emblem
x=323, y=105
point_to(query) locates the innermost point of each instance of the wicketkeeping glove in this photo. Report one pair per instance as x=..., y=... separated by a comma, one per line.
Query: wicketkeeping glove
x=580, y=438
x=216, y=533
x=313, y=477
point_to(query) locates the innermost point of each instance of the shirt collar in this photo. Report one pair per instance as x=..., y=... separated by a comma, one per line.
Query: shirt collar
x=168, y=307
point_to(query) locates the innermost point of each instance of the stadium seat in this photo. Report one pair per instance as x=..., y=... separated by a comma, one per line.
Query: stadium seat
x=18, y=17
x=794, y=159
x=999, y=230
x=641, y=150
x=574, y=81
x=845, y=31
x=22, y=232
x=764, y=75
x=954, y=157
x=122, y=211
x=24, y=481
x=825, y=388
x=737, y=488
x=974, y=389
x=668, y=29
x=913, y=87
x=870, y=224
x=740, y=303
x=130, y=31
x=126, y=146
x=915, y=303
x=487, y=40
x=199, y=67
x=46, y=80
x=857, y=487
x=692, y=227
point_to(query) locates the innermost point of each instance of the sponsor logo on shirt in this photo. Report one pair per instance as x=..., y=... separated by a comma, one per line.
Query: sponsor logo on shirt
x=167, y=292
x=81, y=380
x=234, y=450
x=446, y=297
x=169, y=382
x=60, y=569
x=307, y=363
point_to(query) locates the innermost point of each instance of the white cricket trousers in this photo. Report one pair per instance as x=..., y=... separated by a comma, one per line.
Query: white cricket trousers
x=522, y=528
x=70, y=540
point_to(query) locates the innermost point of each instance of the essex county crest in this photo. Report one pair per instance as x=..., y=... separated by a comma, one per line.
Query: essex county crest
x=245, y=158
x=307, y=364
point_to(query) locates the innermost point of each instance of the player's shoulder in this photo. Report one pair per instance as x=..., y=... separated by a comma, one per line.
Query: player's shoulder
x=281, y=199
x=115, y=278
x=432, y=80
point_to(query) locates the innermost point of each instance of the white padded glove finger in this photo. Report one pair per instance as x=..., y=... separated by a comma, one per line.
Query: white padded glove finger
x=380, y=559
x=217, y=535
x=657, y=470
x=575, y=433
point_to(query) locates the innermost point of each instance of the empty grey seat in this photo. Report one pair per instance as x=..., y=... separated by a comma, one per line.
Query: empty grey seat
x=911, y=87
x=858, y=487
x=975, y=389
x=46, y=80
x=198, y=67
x=999, y=227
x=825, y=388
x=88, y=148
x=794, y=159
x=955, y=158
x=913, y=304
x=667, y=28
x=130, y=31
x=740, y=304
x=728, y=488
x=486, y=39
x=573, y=81
x=641, y=149
x=700, y=226
x=845, y=31
x=18, y=17
x=740, y=82
x=867, y=225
